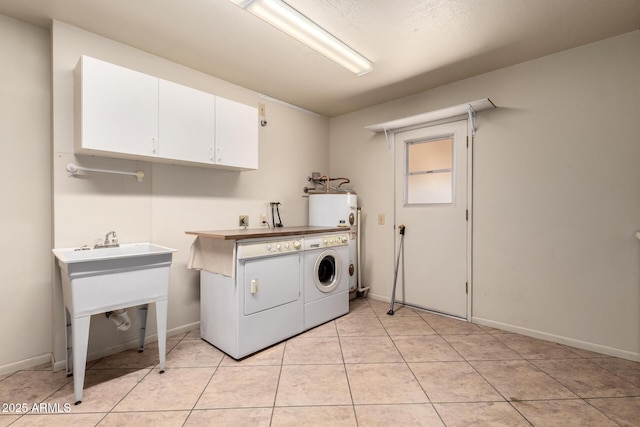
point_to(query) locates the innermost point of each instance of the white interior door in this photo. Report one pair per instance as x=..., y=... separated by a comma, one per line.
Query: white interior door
x=431, y=175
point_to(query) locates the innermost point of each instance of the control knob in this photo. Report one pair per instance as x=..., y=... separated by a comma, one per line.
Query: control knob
x=296, y=244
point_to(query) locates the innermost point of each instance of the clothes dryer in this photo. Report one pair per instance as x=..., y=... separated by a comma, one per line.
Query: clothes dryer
x=262, y=304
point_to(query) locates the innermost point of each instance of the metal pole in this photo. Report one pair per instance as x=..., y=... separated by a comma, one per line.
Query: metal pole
x=395, y=280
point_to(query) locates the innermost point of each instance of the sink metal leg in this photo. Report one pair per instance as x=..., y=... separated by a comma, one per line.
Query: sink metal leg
x=161, y=317
x=80, y=340
x=142, y=321
x=69, y=344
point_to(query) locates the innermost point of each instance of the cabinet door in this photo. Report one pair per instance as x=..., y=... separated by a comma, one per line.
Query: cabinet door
x=236, y=134
x=118, y=109
x=186, y=123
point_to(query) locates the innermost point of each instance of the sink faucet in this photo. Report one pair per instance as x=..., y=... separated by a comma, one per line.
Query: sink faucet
x=106, y=237
x=109, y=243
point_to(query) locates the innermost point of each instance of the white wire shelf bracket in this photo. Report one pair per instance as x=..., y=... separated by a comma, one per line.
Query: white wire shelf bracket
x=74, y=169
x=468, y=108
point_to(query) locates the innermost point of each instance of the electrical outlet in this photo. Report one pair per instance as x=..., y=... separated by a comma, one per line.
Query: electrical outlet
x=263, y=220
x=380, y=219
x=243, y=220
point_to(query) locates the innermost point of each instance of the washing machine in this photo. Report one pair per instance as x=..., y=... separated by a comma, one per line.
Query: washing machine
x=338, y=210
x=326, y=280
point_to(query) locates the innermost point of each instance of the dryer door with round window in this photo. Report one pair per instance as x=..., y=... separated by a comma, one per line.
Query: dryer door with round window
x=327, y=271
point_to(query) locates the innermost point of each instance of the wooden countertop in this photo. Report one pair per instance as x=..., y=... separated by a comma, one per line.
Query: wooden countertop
x=257, y=233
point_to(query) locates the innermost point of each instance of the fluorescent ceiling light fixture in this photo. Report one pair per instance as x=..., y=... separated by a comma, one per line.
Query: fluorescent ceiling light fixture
x=290, y=21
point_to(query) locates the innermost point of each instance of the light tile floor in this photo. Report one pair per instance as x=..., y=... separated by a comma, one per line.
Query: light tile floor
x=363, y=369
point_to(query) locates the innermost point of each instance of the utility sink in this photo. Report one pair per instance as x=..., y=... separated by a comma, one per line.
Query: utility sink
x=105, y=279
x=99, y=280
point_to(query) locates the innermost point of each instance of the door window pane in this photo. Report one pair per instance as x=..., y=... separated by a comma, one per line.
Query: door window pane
x=429, y=178
x=429, y=188
x=432, y=155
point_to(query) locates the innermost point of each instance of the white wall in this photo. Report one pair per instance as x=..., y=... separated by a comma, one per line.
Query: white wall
x=172, y=199
x=25, y=222
x=556, y=194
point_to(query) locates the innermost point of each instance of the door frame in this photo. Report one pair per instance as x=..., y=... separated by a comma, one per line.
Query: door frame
x=391, y=137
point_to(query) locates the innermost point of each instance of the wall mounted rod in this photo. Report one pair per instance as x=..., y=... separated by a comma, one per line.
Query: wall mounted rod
x=73, y=170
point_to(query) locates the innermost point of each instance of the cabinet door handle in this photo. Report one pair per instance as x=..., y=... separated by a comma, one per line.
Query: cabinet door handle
x=154, y=144
x=218, y=154
x=211, y=154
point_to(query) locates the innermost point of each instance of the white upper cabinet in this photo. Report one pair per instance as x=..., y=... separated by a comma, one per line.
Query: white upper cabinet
x=118, y=109
x=128, y=114
x=236, y=134
x=187, y=122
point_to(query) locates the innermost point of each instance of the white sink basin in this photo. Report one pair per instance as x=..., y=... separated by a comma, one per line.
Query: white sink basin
x=72, y=255
x=77, y=261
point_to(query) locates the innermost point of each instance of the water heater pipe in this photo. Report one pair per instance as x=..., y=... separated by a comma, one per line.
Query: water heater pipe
x=359, y=253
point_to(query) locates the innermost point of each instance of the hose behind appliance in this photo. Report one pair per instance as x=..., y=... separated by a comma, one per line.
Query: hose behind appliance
x=359, y=254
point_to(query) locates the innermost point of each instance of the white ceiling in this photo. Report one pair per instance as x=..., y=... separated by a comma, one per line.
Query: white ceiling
x=415, y=45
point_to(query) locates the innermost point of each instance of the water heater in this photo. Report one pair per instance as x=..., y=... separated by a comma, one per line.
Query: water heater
x=338, y=210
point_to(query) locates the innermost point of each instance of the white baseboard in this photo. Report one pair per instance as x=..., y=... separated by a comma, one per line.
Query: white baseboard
x=584, y=345
x=379, y=297
x=25, y=364
x=59, y=365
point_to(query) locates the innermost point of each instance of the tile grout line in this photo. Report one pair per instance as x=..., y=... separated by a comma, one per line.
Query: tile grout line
x=437, y=333
x=275, y=395
x=429, y=401
x=346, y=373
x=193, y=408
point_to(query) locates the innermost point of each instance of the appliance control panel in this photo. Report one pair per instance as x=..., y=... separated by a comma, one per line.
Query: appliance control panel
x=326, y=241
x=269, y=248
